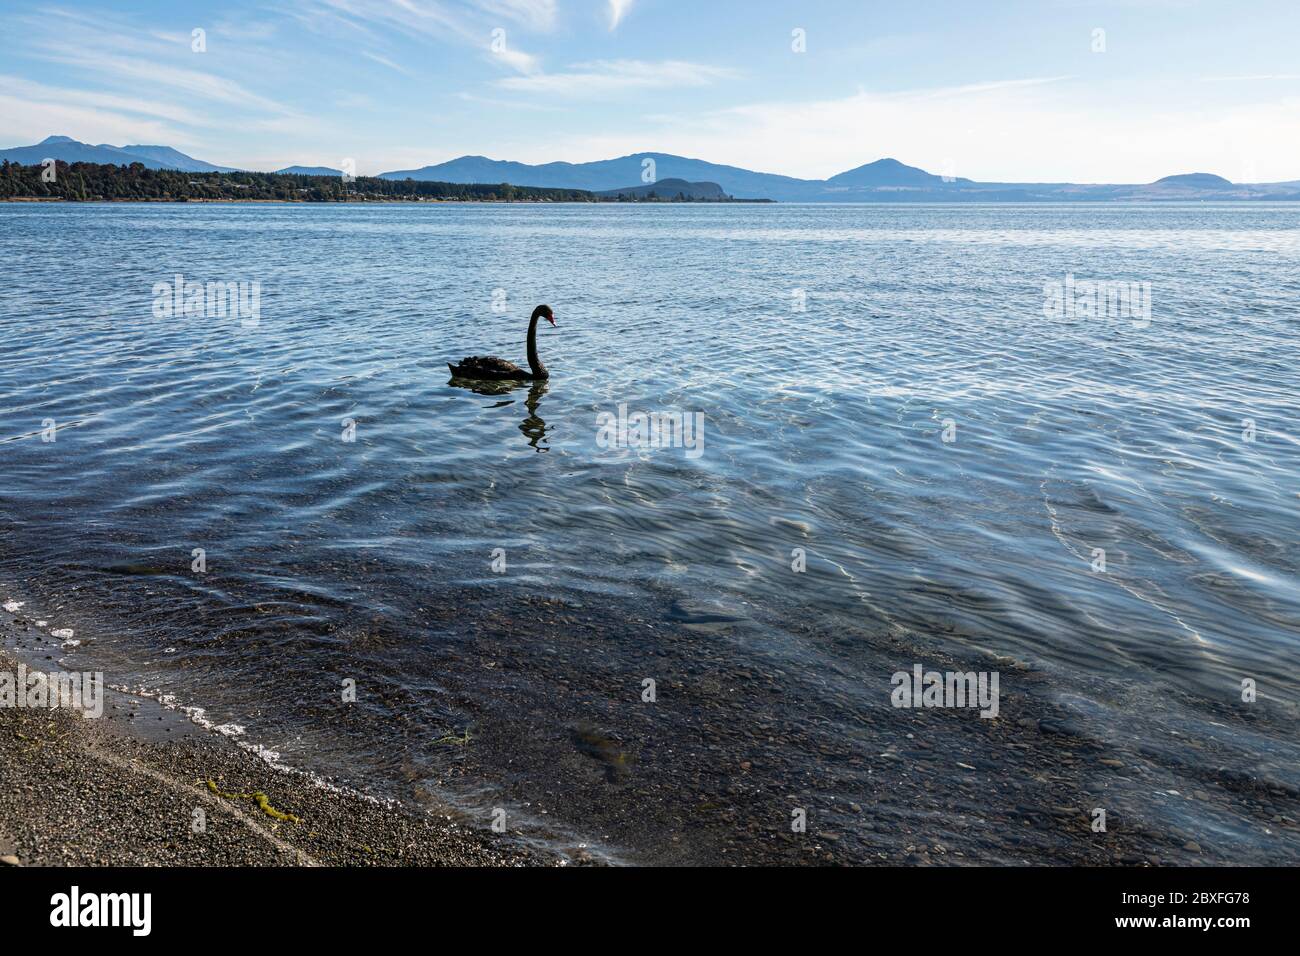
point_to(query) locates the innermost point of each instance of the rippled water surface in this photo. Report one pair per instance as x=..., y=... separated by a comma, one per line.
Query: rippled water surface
x=329, y=560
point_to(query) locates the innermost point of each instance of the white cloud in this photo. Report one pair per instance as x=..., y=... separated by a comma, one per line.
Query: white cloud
x=1010, y=132
x=518, y=60
x=602, y=77
x=617, y=11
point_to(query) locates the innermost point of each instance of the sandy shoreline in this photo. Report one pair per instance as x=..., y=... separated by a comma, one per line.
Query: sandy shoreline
x=109, y=792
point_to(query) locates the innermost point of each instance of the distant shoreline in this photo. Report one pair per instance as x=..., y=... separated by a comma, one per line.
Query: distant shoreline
x=399, y=202
x=102, y=182
x=95, y=182
x=59, y=200
x=1109, y=203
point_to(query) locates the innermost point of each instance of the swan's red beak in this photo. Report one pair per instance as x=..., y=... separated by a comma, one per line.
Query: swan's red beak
x=551, y=319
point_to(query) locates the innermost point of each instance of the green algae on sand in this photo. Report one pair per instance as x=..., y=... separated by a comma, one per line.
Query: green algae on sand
x=263, y=802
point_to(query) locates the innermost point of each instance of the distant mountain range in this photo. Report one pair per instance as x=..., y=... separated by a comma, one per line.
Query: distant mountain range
x=70, y=150
x=611, y=174
x=885, y=180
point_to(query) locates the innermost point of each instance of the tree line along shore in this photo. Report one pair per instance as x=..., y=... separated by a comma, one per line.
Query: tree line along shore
x=94, y=182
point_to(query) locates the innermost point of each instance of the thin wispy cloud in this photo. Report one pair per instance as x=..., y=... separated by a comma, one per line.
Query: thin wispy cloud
x=1251, y=76
x=323, y=21
x=171, y=38
x=976, y=88
x=26, y=120
x=511, y=105
x=122, y=79
x=534, y=14
x=617, y=11
x=244, y=29
x=385, y=61
x=49, y=96
x=355, y=101
x=195, y=83
x=521, y=62
x=417, y=17
x=429, y=19
x=605, y=77
x=147, y=61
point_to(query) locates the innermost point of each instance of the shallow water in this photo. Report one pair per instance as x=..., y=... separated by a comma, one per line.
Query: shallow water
x=824, y=422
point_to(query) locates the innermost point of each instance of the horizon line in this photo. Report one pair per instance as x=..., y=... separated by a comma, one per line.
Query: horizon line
x=643, y=153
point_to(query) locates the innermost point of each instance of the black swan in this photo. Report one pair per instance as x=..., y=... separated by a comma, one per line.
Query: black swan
x=492, y=368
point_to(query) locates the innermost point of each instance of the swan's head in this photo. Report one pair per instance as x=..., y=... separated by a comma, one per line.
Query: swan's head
x=545, y=312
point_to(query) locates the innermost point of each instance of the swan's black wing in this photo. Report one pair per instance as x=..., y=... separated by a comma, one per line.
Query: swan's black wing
x=487, y=366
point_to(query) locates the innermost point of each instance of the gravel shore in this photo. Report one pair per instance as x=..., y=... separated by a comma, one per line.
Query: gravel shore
x=132, y=787
x=103, y=792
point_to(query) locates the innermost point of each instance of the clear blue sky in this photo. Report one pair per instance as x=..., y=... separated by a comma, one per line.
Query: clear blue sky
x=993, y=91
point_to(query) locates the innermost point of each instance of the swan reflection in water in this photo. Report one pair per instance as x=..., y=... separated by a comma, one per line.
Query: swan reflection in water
x=534, y=426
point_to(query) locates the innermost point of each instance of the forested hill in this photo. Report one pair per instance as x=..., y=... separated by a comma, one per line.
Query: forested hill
x=93, y=182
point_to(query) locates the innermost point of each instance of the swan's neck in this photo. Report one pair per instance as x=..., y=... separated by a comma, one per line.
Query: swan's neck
x=534, y=363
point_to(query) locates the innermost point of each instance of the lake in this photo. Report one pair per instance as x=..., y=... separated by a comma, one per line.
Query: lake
x=1057, y=443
